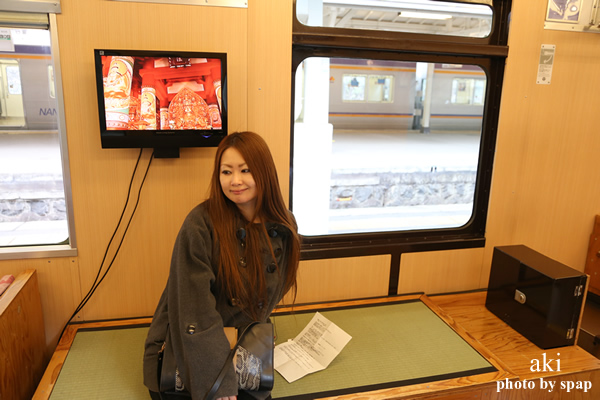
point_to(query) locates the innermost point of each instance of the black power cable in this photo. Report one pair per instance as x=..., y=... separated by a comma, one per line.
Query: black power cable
x=99, y=279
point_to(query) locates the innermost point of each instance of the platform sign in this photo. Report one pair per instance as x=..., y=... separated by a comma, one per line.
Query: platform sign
x=6, y=40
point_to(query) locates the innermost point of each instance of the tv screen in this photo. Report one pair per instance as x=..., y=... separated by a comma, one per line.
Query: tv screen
x=161, y=99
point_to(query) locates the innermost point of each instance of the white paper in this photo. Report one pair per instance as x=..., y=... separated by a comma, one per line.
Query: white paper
x=312, y=350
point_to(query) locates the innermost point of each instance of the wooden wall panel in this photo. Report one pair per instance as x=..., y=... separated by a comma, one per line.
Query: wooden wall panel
x=100, y=177
x=440, y=271
x=341, y=279
x=270, y=79
x=546, y=182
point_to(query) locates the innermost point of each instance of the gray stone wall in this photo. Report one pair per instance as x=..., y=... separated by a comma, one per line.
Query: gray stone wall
x=31, y=197
x=389, y=189
x=40, y=198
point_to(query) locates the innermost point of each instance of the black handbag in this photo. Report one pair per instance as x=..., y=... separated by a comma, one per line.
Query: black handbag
x=257, y=339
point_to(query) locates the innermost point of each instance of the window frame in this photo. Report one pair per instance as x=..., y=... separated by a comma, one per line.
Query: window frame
x=492, y=45
x=489, y=53
x=68, y=249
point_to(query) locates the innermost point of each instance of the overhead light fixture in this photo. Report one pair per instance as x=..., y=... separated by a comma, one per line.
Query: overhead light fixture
x=423, y=15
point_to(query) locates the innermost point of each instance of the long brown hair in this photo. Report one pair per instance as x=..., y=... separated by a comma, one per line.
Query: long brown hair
x=250, y=290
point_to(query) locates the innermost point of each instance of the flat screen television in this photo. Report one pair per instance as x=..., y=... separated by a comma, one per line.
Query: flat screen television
x=161, y=99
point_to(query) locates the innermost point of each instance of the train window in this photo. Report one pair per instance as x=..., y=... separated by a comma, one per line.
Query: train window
x=380, y=88
x=408, y=163
x=13, y=80
x=34, y=201
x=468, y=91
x=408, y=168
x=12, y=111
x=354, y=87
x=413, y=16
x=371, y=88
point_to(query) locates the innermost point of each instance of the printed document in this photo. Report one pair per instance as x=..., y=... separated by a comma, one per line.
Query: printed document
x=312, y=350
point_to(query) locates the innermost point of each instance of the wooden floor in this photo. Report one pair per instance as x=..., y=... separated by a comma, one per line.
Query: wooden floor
x=516, y=352
x=503, y=347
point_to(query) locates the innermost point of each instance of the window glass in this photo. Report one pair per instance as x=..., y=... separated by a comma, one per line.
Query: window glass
x=12, y=111
x=32, y=196
x=406, y=161
x=380, y=88
x=414, y=16
x=353, y=87
x=468, y=91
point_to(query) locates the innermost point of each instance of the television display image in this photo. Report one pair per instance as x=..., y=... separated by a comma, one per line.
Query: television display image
x=162, y=100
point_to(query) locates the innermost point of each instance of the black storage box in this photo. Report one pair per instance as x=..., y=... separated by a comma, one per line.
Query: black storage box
x=537, y=296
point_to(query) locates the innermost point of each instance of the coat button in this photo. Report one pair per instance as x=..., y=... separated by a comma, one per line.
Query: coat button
x=271, y=268
x=273, y=232
x=233, y=302
x=243, y=262
x=190, y=329
x=241, y=235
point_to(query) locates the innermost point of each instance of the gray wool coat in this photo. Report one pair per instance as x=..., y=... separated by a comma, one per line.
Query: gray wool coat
x=194, y=309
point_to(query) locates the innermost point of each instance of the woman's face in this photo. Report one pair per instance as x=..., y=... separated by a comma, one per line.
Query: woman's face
x=237, y=182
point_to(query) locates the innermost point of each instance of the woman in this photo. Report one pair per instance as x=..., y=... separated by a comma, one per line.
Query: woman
x=234, y=259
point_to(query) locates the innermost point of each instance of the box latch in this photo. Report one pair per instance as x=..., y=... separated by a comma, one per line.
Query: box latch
x=520, y=296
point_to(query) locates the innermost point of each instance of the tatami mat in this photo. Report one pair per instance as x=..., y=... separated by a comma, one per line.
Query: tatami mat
x=392, y=345
x=104, y=364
